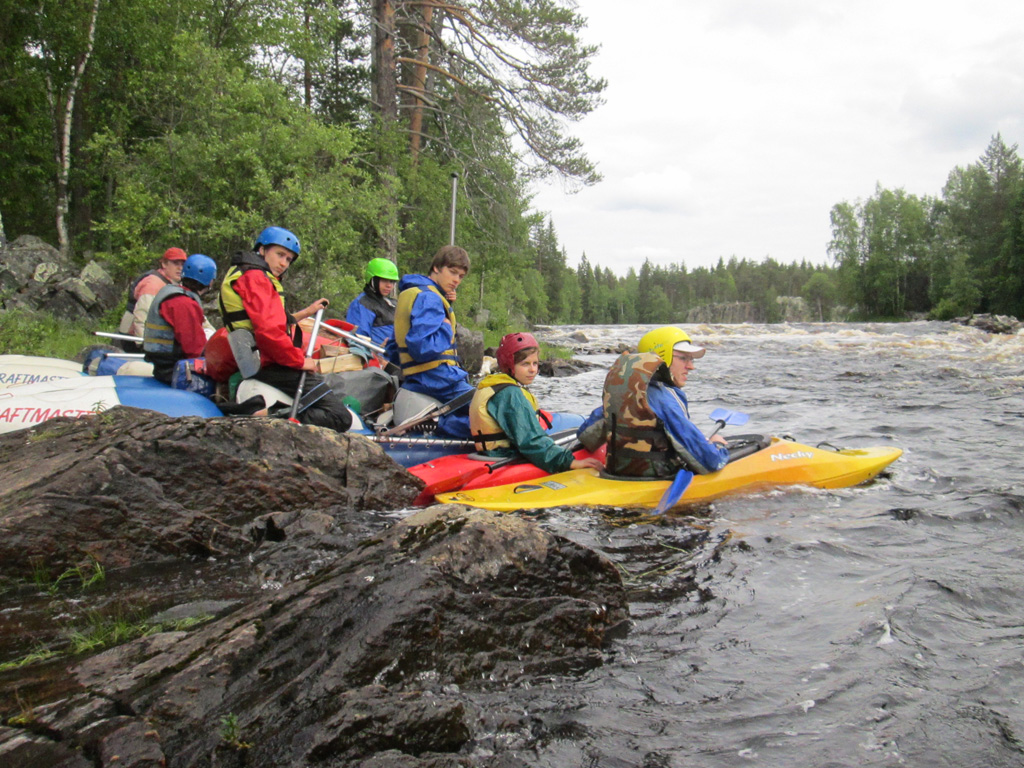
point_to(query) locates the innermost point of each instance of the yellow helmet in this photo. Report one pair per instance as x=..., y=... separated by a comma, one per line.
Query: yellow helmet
x=662, y=341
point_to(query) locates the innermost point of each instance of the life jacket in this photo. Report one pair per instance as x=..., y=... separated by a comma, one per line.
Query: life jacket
x=403, y=320
x=132, y=301
x=383, y=307
x=487, y=433
x=232, y=310
x=158, y=340
x=638, y=445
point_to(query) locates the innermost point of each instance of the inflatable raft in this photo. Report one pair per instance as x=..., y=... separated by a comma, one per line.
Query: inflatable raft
x=23, y=370
x=782, y=462
x=30, y=405
x=469, y=471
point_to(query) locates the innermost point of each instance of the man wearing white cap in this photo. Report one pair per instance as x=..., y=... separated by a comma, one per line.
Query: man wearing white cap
x=645, y=416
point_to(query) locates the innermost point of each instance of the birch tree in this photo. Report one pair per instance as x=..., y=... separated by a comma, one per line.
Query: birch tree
x=62, y=46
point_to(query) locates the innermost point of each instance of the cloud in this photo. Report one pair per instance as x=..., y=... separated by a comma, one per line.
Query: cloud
x=733, y=126
x=967, y=107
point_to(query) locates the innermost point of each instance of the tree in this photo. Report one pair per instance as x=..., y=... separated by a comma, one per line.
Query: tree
x=820, y=292
x=62, y=45
x=524, y=60
x=978, y=200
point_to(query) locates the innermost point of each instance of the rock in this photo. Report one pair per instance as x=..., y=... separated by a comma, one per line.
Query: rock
x=732, y=312
x=992, y=323
x=471, y=348
x=101, y=284
x=23, y=257
x=394, y=655
x=128, y=487
x=560, y=368
x=579, y=336
x=36, y=277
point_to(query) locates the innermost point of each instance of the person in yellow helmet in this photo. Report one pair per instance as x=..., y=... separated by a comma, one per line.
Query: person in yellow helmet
x=645, y=416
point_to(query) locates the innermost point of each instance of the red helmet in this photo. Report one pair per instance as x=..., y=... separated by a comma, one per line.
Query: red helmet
x=508, y=347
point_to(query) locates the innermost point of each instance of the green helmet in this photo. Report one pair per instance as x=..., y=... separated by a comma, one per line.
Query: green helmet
x=382, y=268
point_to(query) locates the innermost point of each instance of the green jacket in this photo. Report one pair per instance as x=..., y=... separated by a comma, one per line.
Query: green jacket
x=513, y=412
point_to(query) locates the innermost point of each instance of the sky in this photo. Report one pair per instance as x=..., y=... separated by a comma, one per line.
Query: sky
x=732, y=127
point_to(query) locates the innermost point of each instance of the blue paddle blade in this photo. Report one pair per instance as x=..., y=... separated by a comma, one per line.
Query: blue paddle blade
x=674, y=492
x=732, y=418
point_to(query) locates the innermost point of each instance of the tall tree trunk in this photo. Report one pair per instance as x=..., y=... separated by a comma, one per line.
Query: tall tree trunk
x=384, y=90
x=63, y=111
x=307, y=72
x=419, y=82
x=385, y=99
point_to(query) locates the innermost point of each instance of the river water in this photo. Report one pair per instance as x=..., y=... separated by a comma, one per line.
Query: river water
x=876, y=626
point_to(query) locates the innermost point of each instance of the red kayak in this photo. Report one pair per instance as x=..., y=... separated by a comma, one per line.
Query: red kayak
x=465, y=471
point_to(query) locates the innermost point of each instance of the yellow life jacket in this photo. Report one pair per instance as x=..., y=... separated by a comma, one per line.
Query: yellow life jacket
x=487, y=433
x=232, y=309
x=403, y=318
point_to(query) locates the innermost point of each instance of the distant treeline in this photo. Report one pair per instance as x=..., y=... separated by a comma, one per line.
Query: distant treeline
x=893, y=256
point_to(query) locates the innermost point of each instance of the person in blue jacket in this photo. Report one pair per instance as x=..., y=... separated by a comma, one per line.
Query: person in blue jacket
x=424, y=345
x=651, y=434
x=372, y=312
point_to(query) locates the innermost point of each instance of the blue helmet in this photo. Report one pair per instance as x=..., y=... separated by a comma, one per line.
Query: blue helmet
x=278, y=236
x=200, y=268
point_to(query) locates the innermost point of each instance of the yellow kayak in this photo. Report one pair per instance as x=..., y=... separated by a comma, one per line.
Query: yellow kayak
x=782, y=462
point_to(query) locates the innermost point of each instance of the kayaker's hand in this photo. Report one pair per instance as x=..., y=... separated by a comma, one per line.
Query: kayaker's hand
x=311, y=310
x=309, y=364
x=719, y=440
x=590, y=463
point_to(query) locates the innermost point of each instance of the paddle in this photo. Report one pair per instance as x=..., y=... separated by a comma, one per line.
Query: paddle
x=454, y=482
x=365, y=342
x=121, y=336
x=293, y=417
x=724, y=417
x=361, y=340
x=683, y=477
x=431, y=412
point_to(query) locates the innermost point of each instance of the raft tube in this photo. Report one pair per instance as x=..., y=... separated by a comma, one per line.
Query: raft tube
x=30, y=405
x=24, y=370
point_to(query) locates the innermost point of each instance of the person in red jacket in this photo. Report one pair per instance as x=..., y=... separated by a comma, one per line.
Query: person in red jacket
x=174, y=326
x=252, y=297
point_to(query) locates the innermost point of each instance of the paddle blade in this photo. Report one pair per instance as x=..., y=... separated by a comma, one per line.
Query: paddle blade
x=674, y=492
x=731, y=418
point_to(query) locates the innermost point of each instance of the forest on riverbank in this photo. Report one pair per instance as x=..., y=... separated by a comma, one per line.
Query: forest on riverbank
x=127, y=126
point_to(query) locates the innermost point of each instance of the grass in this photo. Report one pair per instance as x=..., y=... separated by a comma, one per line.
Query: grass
x=547, y=351
x=105, y=631
x=84, y=575
x=40, y=654
x=101, y=632
x=31, y=333
x=231, y=732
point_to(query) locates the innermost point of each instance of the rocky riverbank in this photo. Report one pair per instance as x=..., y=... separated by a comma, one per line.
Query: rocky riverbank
x=293, y=620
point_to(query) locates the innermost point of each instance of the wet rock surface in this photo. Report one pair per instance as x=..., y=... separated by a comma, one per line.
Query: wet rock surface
x=129, y=487
x=327, y=634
